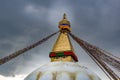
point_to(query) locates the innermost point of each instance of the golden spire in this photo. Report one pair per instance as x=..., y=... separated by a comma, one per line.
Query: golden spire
x=63, y=49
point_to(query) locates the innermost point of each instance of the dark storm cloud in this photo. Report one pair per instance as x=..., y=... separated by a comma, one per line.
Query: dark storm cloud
x=100, y=18
x=23, y=22
x=19, y=27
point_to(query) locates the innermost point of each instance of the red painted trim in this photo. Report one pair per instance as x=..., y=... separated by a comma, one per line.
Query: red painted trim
x=67, y=53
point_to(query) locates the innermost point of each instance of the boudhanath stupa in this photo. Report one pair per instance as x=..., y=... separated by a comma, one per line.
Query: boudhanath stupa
x=64, y=63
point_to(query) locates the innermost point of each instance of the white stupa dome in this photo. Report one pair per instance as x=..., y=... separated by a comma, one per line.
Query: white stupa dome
x=62, y=71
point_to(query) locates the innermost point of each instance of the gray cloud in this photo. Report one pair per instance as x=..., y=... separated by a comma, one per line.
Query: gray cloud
x=24, y=22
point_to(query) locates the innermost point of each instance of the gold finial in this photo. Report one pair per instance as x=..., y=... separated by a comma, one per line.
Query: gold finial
x=64, y=20
x=64, y=16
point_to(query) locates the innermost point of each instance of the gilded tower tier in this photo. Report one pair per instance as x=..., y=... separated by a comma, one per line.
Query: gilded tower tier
x=63, y=49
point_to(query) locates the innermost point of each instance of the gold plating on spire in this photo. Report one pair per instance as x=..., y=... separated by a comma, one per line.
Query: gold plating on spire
x=62, y=43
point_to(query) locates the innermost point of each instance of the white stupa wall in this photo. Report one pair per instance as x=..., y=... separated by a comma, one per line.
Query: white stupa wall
x=62, y=71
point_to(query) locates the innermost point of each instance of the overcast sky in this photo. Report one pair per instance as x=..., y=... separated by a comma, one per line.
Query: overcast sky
x=23, y=22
